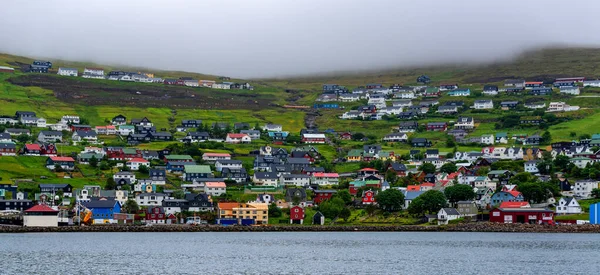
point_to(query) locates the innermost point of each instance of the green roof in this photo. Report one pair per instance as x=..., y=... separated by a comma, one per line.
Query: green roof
x=596, y=136
x=178, y=157
x=200, y=169
x=581, y=158
x=130, y=151
x=126, y=127
x=385, y=154
x=432, y=90
x=497, y=172
x=355, y=153
x=501, y=135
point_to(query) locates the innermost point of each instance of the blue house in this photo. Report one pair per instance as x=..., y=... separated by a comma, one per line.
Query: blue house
x=103, y=210
x=460, y=92
x=278, y=136
x=502, y=196
x=595, y=213
x=176, y=166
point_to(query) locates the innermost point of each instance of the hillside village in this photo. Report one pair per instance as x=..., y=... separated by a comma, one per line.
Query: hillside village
x=196, y=172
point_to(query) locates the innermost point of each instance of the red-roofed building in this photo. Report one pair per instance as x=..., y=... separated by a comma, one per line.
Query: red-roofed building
x=32, y=150
x=135, y=163
x=322, y=195
x=413, y=188
x=514, y=204
x=365, y=172
x=40, y=215
x=65, y=163
x=522, y=215
x=212, y=157
x=237, y=138
x=426, y=186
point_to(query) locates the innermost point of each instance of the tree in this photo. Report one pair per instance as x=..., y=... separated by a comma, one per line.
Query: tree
x=110, y=184
x=390, y=200
x=274, y=211
x=332, y=208
x=546, y=137
x=428, y=168
x=94, y=162
x=358, y=136
x=104, y=165
x=537, y=192
x=391, y=176
x=345, y=214
x=143, y=169
x=561, y=162
x=131, y=206
x=459, y=192
x=23, y=138
x=429, y=202
x=448, y=168
x=450, y=142
x=344, y=195
x=596, y=193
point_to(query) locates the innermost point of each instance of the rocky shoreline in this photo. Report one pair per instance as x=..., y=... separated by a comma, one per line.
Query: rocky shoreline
x=467, y=227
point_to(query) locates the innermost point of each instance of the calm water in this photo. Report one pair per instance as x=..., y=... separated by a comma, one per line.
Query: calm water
x=299, y=253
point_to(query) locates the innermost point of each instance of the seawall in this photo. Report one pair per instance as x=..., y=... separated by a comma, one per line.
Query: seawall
x=468, y=227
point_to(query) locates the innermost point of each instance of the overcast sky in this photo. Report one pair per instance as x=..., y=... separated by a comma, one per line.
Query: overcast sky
x=265, y=38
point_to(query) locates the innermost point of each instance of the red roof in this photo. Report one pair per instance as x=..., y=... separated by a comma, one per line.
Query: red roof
x=327, y=175
x=236, y=135
x=217, y=155
x=138, y=160
x=62, y=159
x=41, y=208
x=368, y=169
x=451, y=176
x=413, y=188
x=428, y=184
x=534, y=82
x=514, y=204
x=514, y=193
x=33, y=147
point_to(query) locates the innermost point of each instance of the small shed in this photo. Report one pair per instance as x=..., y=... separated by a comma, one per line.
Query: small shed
x=40, y=215
x=595, y=213
x=296, y=215
x=318, y=218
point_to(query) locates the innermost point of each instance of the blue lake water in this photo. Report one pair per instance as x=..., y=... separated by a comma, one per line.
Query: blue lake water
x=299, y=253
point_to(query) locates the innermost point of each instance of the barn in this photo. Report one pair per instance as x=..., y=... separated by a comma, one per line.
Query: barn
x=522, y=215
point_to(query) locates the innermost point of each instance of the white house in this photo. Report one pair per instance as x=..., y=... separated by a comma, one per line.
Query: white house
x=265, y=179
x=531, y=166
x=348, y=97
x=568, y=206
x=561, y=107
x=67, y=71
x=583, y=188
x=488, y=139
x=396, y=137
x=215, y=188
x=591, y=83
x=191, y=83
x=379, y=102
x=447, y=214
x=581, y=162
x=135, y=163
x=97, y=73
x=350, y=115
x=41, y=123
x=124, y=175
x=483, y=104
x=295, y=179
x=49, y=136
x=150, y=199
x=570, y=90
x=325, y=178
x=273, y=128
x=66, y=119
x=213, y=157
x=231, y=164
x=464, y=123
x=237, y=138
x=125, y=130
x=223, y=86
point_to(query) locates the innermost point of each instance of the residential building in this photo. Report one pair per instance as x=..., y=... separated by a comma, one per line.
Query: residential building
x=50, y=136
x=465, y=123
x=65, y=163
x=314, y=138
x=135, y=163
x=40, y=215
x=150, y=199
x=483, y=104
x=192, y=172
x=67, y=71
x=568, y=206
x=447, y=214
x=522, y=215
x=237, y=138
x=215, y=188
x=583, y=188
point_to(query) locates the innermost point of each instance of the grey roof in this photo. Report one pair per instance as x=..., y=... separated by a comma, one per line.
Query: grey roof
x=8, y=145
x=16, y=130
x=99, y=203
x=51, y=133
x=411, y=195
x=298, y=161
x=451, y=211
x=152, y=194
x=302, y=176
x=227, y=161
x=86, y=133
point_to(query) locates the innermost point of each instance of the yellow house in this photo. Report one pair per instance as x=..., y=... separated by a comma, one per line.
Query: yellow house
x=354, y=155
x=385, y=155
x=150, y=75
x=233, y=210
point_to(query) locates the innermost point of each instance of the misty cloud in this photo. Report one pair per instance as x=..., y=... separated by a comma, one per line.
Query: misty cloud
x=284, y=37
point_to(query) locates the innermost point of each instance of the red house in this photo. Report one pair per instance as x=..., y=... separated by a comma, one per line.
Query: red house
x=345, y=136
x=77, y=127
x=296, y=215
x=368, y=197
x=522, y=215
x=314, y=138
x=322, y=195
x=155, y=215
x=437, y=126
x=32, y=149
x=48, y=149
